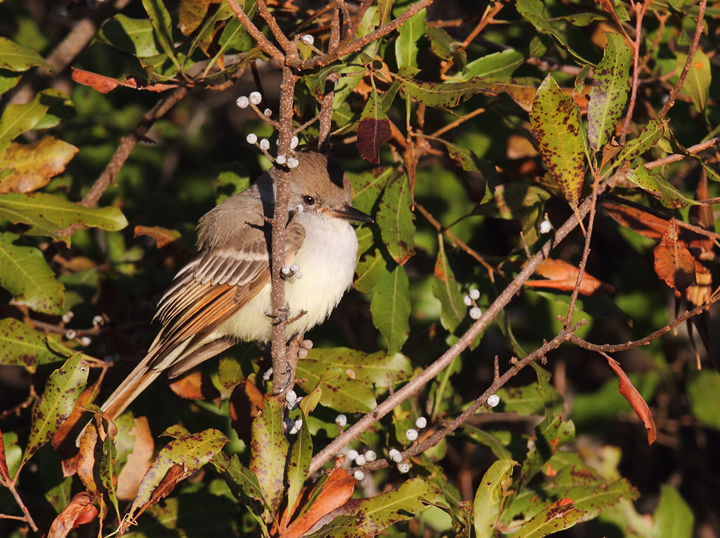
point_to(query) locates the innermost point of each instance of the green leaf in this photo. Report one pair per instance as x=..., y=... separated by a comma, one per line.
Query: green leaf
x=48, y=213
x=442, y=43
x=369, y=270
x=269, y=452
x=192, y=451
x=134, y=36
x=22, y=346
x=489, y=496
x=243, y=483
x=609, y=91
x=17, y=58
x=377, y=369
x=558, y=134
x=192, y=13
x=368, y=186
x=17, y=119
x=580, y=19
x=393, y=506
x=57, y=401
x=396, y=220
x=673, y=518
x=447, y=291
x=534, y=11
x=596, y=498
x=496, y=65
x=406, y=48
x=659, y=187
x=699, y=77
x=390, y=307
x=339, y=390
x=27, y=276
x=513, y=201
x=551, y=436
x=162, y=24
x=299, y=462
x=704, y=391
x=651, y=133
x=555, y=518
x=443, y=94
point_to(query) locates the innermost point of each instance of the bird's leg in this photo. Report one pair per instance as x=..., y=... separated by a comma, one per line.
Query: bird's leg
x=280, y=316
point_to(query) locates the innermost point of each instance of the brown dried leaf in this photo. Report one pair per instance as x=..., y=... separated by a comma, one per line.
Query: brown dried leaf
x=105, y=84
x=336, y=491
x=631, y=394
x=563, y=276
x=245, y=403
x=35, y=164
x=78, y=512
x=673, y=262
x=138, y=461
x=86, y=463
x=639, y=221
x=371, y=135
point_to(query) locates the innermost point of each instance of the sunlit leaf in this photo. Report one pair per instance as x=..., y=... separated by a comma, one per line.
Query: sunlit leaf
x=406, y=48
x=608, y=91
x=558, y=134
x=17, y=58
x=22, y=346
x=269, y=452
x=489, y=495
x=699, y=78
x=34, y=165
x=396, y=220
x=673, y=518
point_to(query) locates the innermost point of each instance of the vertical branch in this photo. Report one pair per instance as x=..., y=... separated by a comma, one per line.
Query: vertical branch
x=691, y=54
x=329, y=90
x=281, y=373
x=639, y=15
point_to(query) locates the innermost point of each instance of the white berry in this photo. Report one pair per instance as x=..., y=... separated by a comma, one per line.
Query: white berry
x=395, y=455
x=307, y=39
x=403, y=467
x=493, y=400
x=421, y=422
x=290, y=396
x=70, y=335
x=298, y=275
x=281, y=159
x=340, y=420
x=411, y=434
x=294, y=142
x=352, y=454
x=475, y=313
x=545, y=227
x=67, y=316
x=293, y=162
x=474, y=294
x=360, y=460
x=467, y=300
x=255, y=98
x=267, y=112
x=242, y=101
x=264, y=144
x=251, y=138
x=370, y=455
x=85, y=341
x=359, y=475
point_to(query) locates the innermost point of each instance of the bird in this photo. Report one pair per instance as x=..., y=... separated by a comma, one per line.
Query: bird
x=222, y=296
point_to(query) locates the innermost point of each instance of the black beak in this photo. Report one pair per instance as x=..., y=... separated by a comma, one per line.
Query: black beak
x=348, y=212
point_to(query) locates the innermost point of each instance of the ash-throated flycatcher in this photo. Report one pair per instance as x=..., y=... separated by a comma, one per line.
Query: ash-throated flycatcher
x=223, y=295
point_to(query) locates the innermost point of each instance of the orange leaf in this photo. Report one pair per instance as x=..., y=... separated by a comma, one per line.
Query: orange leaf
x=335, y=492
x=631, y=394
x=673, y=262
x=35, y=164
x=162, y=236
x=78, y=512
x=195, y=386
x=563, y=276
x=97, y=82
x=639, y=221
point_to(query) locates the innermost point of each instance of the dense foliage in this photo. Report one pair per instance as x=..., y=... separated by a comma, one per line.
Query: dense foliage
x=530, y=344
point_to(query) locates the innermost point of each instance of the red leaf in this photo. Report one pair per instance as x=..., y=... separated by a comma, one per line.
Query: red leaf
x=336, y=491
x=195, y=386
x=563, y=276
x=4, y=472
x=162, y=236
x=371, y=135
x=78, y=512
x=97, y=82
x=631, y=394
x=673, y=262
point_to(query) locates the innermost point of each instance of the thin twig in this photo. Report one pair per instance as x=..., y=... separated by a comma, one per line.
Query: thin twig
x=456, y=240
x=639, y=14
x=256, y=34
x=498, y=382
x=288, y=46
x=691, y=54
x=679, y=157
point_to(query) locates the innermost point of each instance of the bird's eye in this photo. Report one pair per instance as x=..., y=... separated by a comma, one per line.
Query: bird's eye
x=309, y=200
